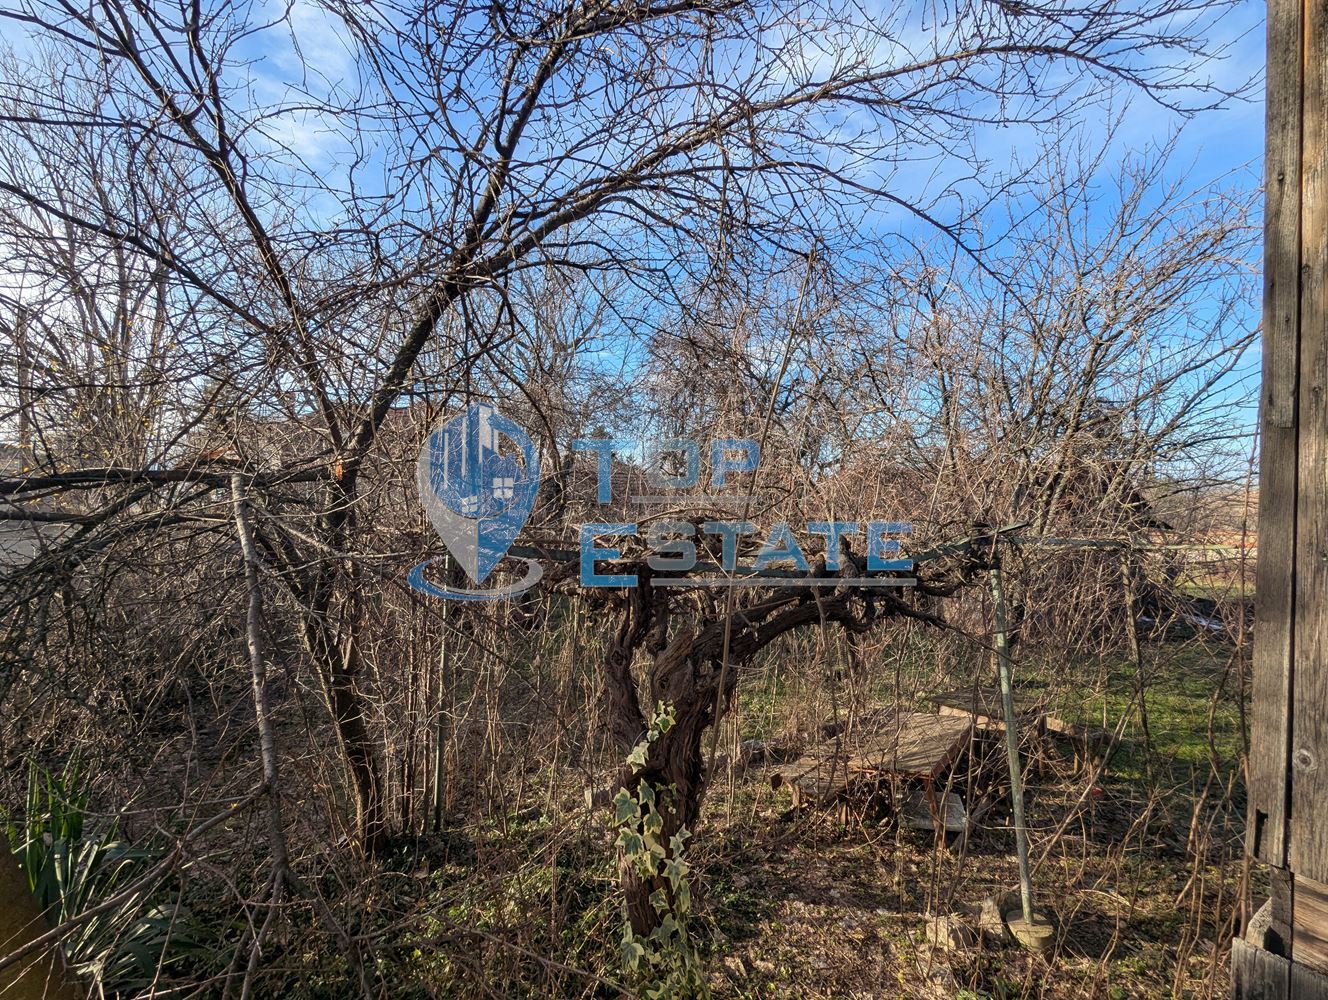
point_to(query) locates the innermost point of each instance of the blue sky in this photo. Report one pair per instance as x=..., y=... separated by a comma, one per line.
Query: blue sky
x=1217, y=148
x=1223, y=148
x=312, y=54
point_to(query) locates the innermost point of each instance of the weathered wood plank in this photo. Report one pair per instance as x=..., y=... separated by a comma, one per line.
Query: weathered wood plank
x=1275, y=593
x=816, y=779
x=1309, y=924
x=1282, y=214
x=903, y=744
x=1260, y=975
x=1257, y=974
x=914, y=745
x=1307, y=984
x=984, y=705
x=1278, y=937
x=1308, y=847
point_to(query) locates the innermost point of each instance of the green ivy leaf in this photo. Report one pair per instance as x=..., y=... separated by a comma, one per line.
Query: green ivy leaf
x=631, y=843
x=625, y=807
x=666, y=965
x=668, y=928
x=631, y=954
x=682, y=895
x=676, y=869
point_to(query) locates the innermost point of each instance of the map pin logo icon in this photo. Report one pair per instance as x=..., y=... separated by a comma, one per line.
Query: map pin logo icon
x=478, y=474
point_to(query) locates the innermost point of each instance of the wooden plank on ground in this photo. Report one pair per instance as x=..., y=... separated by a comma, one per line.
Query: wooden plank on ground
x=1275, y=591
x=984, y=705
x=818, y=777
x=901, y=744
x=913, y=745
x=1308, y=848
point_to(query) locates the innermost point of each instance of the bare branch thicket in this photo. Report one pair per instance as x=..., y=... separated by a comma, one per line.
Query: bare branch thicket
x=220, y=265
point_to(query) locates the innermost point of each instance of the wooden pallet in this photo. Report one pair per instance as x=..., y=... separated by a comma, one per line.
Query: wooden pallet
x=907, y=745
x=984, y=706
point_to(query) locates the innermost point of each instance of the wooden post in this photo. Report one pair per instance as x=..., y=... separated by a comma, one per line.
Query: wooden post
x=1287, y=777
x=1307, y=847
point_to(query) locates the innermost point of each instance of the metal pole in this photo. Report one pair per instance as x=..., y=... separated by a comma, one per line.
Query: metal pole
x=439, y=726
x=1011, y=739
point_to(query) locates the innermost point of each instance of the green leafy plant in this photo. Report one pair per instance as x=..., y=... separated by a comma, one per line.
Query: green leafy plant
x=122, y=949
x=666, y=961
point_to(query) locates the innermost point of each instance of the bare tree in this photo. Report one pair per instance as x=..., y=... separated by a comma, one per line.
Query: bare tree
x=225, y=270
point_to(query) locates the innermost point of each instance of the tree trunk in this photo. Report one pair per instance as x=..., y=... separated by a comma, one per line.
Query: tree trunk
x=686, y=672
x=676, y=763
x=338, y=668
x=675, y=772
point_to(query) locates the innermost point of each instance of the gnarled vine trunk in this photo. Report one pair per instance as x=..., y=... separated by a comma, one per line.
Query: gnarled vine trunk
x=687, y=668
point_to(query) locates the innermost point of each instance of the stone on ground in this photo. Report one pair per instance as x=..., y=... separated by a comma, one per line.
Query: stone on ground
x=950, y=933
